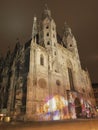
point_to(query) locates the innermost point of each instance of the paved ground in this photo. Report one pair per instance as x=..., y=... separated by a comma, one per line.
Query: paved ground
x=80, y=124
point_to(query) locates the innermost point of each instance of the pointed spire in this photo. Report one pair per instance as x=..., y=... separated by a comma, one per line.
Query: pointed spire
x=46, y=7
x=8, y=53
x=67, y=29
x=47, y=12
x=17, y=44
x=66, y=25
x=34, y=29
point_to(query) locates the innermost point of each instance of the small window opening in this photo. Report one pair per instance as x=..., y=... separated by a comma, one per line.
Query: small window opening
x=41, y=60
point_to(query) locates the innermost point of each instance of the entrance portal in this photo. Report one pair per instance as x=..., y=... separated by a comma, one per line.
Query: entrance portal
x=78, y=107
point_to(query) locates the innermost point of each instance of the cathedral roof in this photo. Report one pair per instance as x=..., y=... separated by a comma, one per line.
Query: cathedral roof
x=27, y=44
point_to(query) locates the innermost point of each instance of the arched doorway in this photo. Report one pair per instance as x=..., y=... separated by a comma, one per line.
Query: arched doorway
x=78, y=107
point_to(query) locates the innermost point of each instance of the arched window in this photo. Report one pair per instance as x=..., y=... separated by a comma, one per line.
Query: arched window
x=47, y=34
x=71, y=79
x=48, y=43
x=41, y=60
x=47, y=27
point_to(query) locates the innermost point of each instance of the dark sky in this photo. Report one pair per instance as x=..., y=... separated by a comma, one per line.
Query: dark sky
x=16, y=18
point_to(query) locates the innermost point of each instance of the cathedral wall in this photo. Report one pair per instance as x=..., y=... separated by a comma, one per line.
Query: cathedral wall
x=88, y=88
x=67, y=60
x=52, y=77
x=56, y=84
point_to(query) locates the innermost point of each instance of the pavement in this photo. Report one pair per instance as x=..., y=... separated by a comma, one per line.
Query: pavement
x=78, y=124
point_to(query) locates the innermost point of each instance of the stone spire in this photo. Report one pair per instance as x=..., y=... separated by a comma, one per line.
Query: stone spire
x=34, y=29
x=67, y=30
x=17, y=43
x=46, y=13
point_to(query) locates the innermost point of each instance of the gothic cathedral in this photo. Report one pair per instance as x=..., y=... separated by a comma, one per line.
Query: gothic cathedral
x=43, y=79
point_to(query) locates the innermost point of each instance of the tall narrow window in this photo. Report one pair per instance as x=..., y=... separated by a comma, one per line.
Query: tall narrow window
x=58, y=83
x=71, y=79
x=41, y=60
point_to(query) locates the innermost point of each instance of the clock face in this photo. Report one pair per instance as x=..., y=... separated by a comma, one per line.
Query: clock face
x=42, y=83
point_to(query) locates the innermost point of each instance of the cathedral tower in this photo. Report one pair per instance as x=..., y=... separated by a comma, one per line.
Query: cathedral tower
x=44, y=77
x=70, y=42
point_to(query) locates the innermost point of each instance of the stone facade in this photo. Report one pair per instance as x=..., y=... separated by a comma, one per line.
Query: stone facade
x=43, y=79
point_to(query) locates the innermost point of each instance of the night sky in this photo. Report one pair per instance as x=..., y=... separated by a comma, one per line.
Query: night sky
x=16, y=19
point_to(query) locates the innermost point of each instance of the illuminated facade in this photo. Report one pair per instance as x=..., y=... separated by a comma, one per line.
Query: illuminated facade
x=43, y=79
